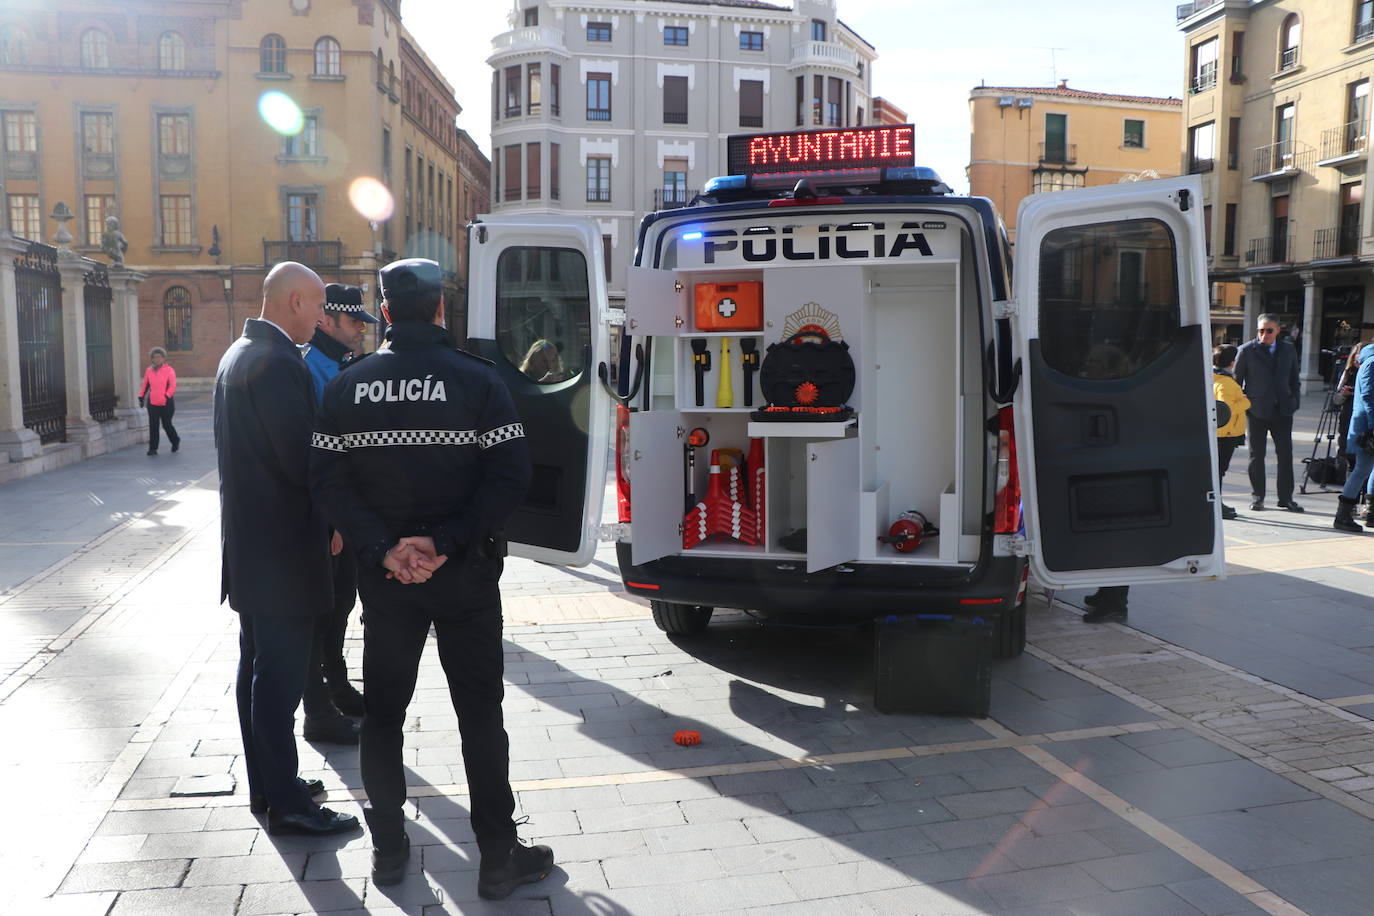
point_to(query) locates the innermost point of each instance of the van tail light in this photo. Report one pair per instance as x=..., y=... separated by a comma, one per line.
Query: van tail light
x=622, y=462
x=1021, y=589
x=1006, y=517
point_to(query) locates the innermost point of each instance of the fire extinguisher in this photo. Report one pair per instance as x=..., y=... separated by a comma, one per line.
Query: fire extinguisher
x=907, y=532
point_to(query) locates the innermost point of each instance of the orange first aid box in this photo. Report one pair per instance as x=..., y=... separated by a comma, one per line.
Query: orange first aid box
x=729, y=306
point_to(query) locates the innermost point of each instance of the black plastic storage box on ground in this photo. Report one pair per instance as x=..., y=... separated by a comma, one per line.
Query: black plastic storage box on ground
x=933, y=663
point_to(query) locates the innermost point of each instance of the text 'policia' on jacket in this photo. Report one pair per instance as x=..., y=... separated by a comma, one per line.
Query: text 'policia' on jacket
x=466, y=462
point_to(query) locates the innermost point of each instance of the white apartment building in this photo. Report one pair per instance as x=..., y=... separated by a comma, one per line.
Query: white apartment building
x=616, y=108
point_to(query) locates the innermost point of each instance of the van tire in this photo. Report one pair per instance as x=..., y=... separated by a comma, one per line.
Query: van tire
x=680, y=619
x=1010, y=632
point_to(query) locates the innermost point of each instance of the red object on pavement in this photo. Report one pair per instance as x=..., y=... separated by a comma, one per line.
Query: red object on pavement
x=687, y=737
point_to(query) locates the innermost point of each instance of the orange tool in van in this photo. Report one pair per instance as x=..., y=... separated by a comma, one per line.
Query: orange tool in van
x=729, y=306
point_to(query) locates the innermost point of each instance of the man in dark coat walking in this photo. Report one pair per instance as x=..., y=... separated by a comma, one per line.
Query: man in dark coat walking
x=1267, y=368
x=274, y=543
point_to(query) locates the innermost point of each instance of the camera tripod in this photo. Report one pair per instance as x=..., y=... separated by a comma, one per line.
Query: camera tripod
x=1328, y=428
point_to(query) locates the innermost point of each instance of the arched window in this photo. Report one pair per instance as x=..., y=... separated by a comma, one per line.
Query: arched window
x=95, y=50
x=327, y=57
x=391, y=76
x=11, y=46
x=176, y=317
x=171, y=52
x=381, y=68
x=1290, y=36
x=272, y=54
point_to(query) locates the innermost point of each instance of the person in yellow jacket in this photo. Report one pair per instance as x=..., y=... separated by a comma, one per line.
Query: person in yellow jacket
x=1226, y=389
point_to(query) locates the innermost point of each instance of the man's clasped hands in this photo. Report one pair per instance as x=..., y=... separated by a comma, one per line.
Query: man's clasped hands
x=412, y=560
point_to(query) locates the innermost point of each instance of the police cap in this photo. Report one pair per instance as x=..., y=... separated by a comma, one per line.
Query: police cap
x=347, y=300
x=410, y=281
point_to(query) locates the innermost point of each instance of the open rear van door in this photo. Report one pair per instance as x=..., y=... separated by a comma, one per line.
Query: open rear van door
x=1114, y=414
x=537, y=309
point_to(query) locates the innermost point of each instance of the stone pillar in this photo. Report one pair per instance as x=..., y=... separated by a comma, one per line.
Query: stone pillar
x=81, y=427
x=1309, y=369
x=16, y=441
x=1253, y=293
x=128, y=360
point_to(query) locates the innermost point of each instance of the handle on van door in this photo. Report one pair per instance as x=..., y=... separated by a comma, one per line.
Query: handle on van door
x=1098, y=428
x=604, y=373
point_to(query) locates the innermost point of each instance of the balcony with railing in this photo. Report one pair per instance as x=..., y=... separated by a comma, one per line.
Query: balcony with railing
x=672, y=198
x=1274, y=249
x=531, y=38
x=1364, y=31
x=1059, y=153
x=1205, y=78
x=1281, y=160
x=1183, y=10
x=1288, y=60
x=824, y=54
x=311, y=254
x=1336, y=242
x=1344, y=144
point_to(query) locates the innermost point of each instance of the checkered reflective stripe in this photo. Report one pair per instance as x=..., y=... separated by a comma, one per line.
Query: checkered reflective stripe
x=327, y=442
x=383, y=437
x=501, y=434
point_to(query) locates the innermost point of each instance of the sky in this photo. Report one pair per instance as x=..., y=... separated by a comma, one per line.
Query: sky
x=931, y=53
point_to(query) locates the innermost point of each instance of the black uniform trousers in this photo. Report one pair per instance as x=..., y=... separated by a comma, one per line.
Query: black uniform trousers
x=328, y=671
x=274, y=652
x=1280, y=428
x=161, y=415
x=463, y=602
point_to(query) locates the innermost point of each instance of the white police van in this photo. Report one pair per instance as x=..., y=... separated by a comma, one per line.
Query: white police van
x=1059, y=415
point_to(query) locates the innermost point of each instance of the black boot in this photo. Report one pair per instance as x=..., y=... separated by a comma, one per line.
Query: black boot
x=389, y=860
x=498, y=875
x=1345, y=516
x=1108, y=603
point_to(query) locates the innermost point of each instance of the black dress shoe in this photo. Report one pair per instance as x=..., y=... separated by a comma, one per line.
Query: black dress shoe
x=498, y=876
x=348, y=700
x=319, y=822
x=1105, y=613
x=338, y=729
x=152, y=451
x=1291, y=506
x=389, y=865
x=1257, y=505
x=1228, y=512
x=175, y=446
x=257, y=802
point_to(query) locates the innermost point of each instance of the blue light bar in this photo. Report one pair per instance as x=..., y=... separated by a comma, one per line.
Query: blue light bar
x=912, y=173
x=691, y=236
x=725, y=183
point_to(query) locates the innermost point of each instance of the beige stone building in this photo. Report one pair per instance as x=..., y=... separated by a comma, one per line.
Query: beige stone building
x=152, y=110
x=1026, y=140
x=1276, y=120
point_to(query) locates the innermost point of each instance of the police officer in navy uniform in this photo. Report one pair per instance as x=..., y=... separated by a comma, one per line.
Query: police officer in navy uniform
x=329, y=697
x=418, y=458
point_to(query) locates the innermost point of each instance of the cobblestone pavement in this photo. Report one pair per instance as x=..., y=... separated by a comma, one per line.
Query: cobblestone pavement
x=1214, y=756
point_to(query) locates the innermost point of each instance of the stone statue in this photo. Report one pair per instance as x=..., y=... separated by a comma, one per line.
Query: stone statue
x=113, y=242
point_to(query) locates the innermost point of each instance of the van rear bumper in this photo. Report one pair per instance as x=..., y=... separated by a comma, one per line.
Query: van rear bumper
x=869, y=590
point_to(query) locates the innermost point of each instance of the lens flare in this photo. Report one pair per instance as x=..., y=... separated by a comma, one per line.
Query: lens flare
x=281, y=114
x=371, y=199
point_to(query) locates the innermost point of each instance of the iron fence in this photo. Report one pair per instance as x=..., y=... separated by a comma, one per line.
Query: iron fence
x=1336, y=242
x=311, y=254
x=100, y=378
x=42, y=366
x=1269, y=250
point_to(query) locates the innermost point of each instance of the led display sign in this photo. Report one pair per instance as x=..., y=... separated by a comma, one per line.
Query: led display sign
x=821, y=150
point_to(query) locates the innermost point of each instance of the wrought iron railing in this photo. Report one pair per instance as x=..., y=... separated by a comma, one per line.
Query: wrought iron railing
x=100, y=378
x=1288, y=59
x=1335, y=242
x=1350, y=137
x=311, y=254
x=1274, y=249
x=672, y=198
x=42, y=364
x=1060, y=153
x=1284, y=156
x=1364, y=30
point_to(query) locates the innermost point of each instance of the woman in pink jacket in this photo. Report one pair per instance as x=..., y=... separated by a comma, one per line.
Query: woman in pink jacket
x=159, y=384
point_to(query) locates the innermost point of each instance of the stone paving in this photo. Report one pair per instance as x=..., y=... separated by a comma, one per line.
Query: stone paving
x=1211, y=757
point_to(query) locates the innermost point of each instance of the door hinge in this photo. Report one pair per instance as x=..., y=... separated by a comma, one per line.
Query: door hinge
x=615, y=317
x=618, y=531
x=1005, y=308
x=1015, y=544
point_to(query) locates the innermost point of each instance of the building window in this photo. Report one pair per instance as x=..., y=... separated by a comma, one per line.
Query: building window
x=495, y=95
x=1283, y=136
x=555, y=88
x=801, y=100
x=1233, y=143
x=834, y=115
x=1278, y=231
x=513, y=172
x=97, y=132
x=327, y=57
x=1237, y=57
x=21, y=131
x=1348, y=239
x=95, y=50
x=818, y=30
x=175, y=210
x=553, y=171
x=1133, y=135
x=176, y=315
x=171, y=52
x=272, y=54
x=174, y=134
x=1356, y=116
x=753, y=41
x=533, y=170
x=675, y=35
x=598, y=96
x=1207, y=228
x=26, y=218
x=495, y=174
x=817, y=99
x=536, y=89
x=1204, y=65
x=305, y=144
x=532, y=17
x=598, y=31
x=1364, y=20
x=1045, y=180
x=11, y=46
x=1290, y=36
x=1056, y=138
x=599, y=179
x=1202, y=147
x=751, y=103
x=606, y=246
x=513, y=91
x=675, y=100
x=98, y=206
x=1228, y=231
x=674, y=182
x=302, y=217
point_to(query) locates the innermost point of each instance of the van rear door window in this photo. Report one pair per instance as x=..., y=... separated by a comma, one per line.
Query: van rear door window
x=542, y=312
x=1109, y=297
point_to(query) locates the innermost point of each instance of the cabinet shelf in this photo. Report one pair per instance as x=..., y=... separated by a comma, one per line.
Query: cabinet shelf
x=802, y=430
x=757, y=332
